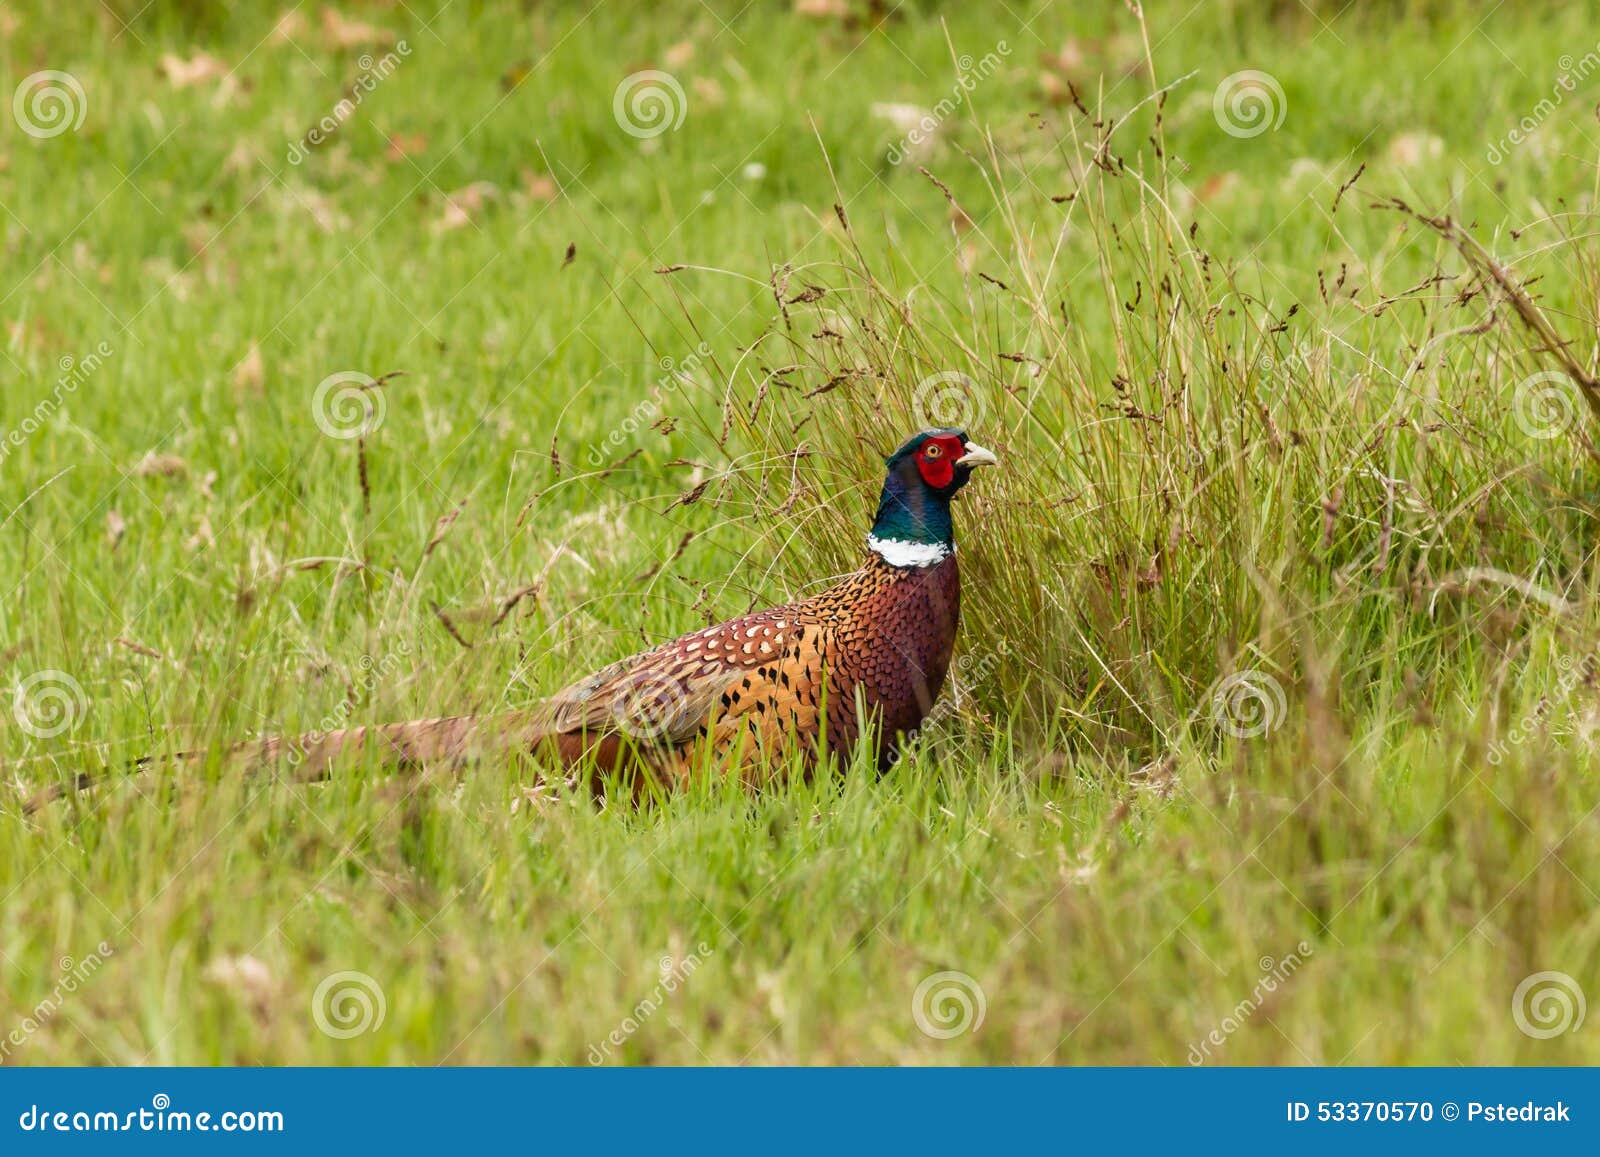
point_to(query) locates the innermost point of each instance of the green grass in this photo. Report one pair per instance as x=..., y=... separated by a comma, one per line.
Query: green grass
x=1250, y=427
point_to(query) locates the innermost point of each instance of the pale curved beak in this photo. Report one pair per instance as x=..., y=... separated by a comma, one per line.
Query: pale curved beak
x=977, y=456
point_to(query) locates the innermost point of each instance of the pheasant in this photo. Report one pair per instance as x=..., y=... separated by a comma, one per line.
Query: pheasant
x=866, y=656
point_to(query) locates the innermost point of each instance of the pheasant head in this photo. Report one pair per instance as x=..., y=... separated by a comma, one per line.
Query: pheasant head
x=913, y=525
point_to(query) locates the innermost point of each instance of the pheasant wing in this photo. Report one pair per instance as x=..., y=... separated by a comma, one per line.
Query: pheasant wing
x=661, y=698
x=667, y=696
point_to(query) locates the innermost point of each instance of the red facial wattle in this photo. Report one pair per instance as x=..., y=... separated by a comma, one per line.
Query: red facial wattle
x=936, y=461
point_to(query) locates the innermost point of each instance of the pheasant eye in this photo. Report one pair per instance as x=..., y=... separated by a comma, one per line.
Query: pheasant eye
x=932, y=452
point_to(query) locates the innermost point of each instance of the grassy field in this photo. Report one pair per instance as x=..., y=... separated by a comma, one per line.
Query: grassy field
x=1272, y=737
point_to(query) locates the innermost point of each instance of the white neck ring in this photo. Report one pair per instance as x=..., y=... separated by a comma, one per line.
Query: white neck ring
x=897, y=553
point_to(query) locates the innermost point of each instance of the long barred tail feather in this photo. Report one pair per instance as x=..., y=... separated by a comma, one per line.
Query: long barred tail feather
x=310, y=757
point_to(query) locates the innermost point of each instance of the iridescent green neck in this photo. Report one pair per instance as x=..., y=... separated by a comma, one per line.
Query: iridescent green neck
x=913, y=525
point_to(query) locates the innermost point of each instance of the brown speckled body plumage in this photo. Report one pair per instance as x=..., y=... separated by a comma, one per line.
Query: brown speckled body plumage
x=871, y=650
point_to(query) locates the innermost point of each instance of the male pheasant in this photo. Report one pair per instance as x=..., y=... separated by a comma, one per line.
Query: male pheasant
x=868, y=654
